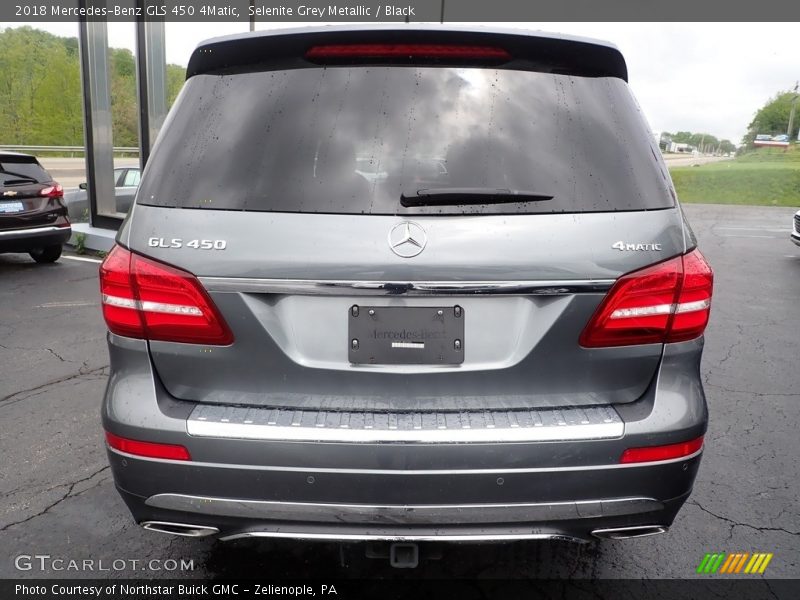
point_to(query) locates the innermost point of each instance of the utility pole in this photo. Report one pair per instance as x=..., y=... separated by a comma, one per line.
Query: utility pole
x=791, y=114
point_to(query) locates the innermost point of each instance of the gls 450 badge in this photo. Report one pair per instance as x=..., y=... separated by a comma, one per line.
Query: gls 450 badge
x=640, y=247
x=155, y=242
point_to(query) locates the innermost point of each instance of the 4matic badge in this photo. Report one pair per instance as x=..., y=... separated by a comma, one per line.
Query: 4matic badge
x=623, y=246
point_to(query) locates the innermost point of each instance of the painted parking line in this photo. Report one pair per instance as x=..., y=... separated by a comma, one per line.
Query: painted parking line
x=738, y=235
x=67, y=304
x=773, y=229
x=83, y=259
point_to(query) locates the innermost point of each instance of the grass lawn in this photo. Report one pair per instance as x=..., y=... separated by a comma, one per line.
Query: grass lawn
x=765, y=177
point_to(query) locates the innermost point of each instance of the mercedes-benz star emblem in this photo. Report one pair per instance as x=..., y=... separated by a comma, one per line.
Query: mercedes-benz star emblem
x=407, y=239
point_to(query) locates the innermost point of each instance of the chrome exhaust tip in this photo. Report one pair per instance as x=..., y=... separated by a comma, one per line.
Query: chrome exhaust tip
x=624, y=533
x=181, y=529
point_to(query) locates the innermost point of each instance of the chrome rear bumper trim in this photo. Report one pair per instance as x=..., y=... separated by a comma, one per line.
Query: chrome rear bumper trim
x=404, y=515
x=590, y=423
x=23, y=233
x=387, y=537
x=406, y=288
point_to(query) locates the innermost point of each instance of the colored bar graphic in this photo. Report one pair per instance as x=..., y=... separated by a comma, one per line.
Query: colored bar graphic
x=741, y=562
x=728, y=563
x=765, y=563
x=754, y=563
x=702, y=566
x=718, y=562
x=725, y=563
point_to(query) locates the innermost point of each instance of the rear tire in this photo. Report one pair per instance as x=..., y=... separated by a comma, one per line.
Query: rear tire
x=48, y=254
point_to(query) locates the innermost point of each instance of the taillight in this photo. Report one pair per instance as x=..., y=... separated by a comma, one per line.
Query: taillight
x=694, y=301
x=54, y=191
x=667, y=302
x=656, y=453
x=148, y=449
x=410, y=51
x=146, y=299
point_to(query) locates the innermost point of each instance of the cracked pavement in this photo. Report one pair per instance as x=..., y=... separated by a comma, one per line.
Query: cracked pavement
x=58, y=497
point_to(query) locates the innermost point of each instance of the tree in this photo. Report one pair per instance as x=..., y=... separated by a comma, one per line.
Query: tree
x=40, y=90
x=773, y=118
x=38, y=76
x=704, y=142
x=124, y=117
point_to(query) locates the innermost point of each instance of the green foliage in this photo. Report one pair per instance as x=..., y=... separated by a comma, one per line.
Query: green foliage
x=704, y=141
x=773, y=118
x=727, y=146
x=80, y=243
x=40, y=90
x=765, y=178
x=772, y=155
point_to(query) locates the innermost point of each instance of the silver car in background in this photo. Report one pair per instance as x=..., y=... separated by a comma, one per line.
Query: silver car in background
x=405, y=284
x=126, y=182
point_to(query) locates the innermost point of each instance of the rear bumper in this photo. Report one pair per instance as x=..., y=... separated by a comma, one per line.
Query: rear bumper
x=404, y=490
x=235, y=517
x=26, y=239
x=575, y=521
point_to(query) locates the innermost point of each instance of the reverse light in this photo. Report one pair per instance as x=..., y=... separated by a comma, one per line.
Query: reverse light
x=148, y=449
x=375, y=51
x=667, y=302
x=657, y=453
x=146, y=299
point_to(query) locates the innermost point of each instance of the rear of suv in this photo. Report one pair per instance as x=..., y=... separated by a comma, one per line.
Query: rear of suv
x=405, y=284
x=33, y=217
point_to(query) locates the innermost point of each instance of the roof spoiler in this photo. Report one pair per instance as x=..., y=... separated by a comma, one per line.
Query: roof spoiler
x=534, y=51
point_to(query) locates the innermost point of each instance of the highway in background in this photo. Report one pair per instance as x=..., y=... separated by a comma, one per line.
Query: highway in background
x=69, y=172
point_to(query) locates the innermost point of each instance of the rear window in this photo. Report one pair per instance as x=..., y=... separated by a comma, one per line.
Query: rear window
x=355, y=139
x=22, y=170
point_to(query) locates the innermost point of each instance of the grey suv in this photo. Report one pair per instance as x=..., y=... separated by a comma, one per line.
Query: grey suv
x=410, y=283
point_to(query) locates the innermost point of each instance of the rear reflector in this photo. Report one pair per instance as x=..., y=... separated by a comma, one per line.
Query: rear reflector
x=667, y=302
x=146, y=299
x=148, y=449
x=411, y=51
x=656, y=453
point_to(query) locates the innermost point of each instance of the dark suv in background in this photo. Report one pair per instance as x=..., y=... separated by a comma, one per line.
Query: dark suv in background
x=403, y=284
x=33, y=217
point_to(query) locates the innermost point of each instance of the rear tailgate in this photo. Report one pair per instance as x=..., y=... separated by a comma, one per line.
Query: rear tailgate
x=286, y=283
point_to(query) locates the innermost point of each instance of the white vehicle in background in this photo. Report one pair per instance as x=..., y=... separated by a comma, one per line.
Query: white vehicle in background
x=796, y=230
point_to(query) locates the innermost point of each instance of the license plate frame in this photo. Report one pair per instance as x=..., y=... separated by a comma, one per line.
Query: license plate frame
x=11, y=207
x=405, y=335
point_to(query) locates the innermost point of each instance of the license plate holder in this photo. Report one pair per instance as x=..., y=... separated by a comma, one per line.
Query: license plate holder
x=11, y=207
x=406, y=335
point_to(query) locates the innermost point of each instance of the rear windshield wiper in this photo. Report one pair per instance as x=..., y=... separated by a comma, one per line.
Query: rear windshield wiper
x=448, y=196
x=17, y=180
x=17, y=177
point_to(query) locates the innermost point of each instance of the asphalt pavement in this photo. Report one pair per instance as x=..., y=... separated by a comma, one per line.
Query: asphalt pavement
x=59, y=500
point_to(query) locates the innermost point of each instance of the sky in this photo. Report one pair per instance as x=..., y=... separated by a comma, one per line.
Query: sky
x=699, y=77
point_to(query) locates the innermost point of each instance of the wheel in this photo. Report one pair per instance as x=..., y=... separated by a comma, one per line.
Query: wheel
x=47, y=254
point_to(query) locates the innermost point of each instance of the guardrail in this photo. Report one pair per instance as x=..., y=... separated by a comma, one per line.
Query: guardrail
x=71, y=150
